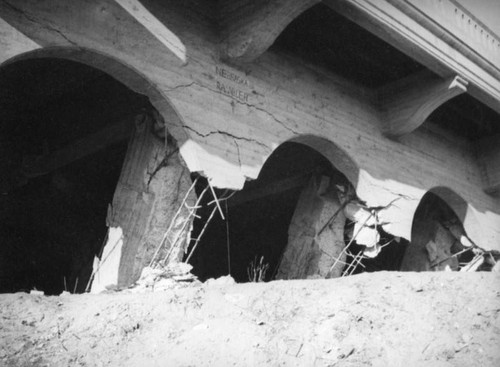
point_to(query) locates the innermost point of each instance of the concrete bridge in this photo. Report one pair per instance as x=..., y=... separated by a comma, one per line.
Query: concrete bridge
x=399, y=100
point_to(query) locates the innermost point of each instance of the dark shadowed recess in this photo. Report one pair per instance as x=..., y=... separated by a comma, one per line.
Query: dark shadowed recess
x=325, y=38
x=257, y=224
x=466, y=117
x=430, y=226
x=257, y=218
x=52, y=226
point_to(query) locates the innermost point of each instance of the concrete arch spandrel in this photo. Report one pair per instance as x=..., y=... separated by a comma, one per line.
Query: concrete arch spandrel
x=124, y=73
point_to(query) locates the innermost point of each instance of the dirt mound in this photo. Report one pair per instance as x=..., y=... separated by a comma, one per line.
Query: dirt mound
x=378, y=319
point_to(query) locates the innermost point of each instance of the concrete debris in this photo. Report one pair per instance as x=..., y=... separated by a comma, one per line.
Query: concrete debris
x=178, y=270
x=161, y=279
x=366, y=221
x=355, y=212
x=366, y=236
x=149, y=276
x=372, y=252
x=484, y=261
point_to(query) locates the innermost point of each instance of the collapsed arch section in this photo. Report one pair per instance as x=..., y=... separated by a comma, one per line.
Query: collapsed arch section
x=299, y=219
x=257, y=223
x=87, y=152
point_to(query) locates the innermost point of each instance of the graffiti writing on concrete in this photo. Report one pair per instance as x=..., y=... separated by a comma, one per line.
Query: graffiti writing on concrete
x=232, y=84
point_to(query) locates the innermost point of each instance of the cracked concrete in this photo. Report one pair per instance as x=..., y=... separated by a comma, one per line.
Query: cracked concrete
x=225, y=133
x=181, y=86
x=233, y=100
x=240, y=168
x=283, y=124
x=238, y=150
x=40, y=23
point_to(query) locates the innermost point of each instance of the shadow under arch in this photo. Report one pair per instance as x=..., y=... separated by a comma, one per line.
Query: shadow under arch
x=461, y=209
x=452, y=199
x=260, y=215
x=439, y=223
x=338, y=158
x=125, y=74
x=54, y=217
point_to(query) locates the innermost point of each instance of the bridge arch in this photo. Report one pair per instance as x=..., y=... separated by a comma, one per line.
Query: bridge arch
x=125, y=74
x=74, y=156
x=441, y=226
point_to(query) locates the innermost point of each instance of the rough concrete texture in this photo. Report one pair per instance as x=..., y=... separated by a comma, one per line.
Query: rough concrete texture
x=316, y=234
x=152, y=186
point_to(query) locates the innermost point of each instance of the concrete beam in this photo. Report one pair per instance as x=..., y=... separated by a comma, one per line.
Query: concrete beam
x=250, y=27
x=488, y=150
x=407, y=103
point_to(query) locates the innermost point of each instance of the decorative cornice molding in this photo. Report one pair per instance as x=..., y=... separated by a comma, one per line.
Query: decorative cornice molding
x=456, y=26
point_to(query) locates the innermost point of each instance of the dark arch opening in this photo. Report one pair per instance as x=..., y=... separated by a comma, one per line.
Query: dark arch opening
x=258, y=217
x=454, y=203
x=436, y=232
x=54, y=190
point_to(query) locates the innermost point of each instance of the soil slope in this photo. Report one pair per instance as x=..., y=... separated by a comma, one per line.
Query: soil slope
x=377, y=319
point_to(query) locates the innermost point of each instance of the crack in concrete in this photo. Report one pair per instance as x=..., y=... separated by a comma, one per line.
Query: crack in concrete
x=181, y=86
x=164, y=163
x=238, y=149
x=39, y=23
x=402, y=196
x=49, y=27
x=20, y=11
x=249, y=105
x=219, y=132
x=283, y=124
